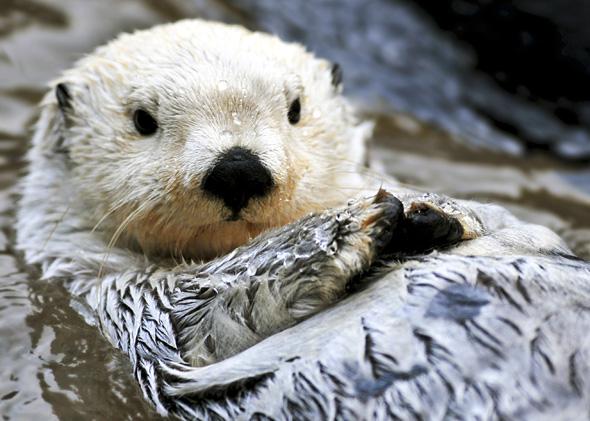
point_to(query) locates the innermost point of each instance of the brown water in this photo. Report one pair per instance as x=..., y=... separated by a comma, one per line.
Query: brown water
x=51, y=362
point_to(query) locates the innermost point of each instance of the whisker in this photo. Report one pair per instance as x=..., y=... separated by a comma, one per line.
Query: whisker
x=118, y=232
x=59, y=221
x=109, y=212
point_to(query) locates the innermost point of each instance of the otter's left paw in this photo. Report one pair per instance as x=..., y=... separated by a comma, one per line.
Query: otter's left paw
x=426, y=227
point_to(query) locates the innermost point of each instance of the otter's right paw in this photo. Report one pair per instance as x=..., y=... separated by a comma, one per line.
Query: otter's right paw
x=346, y=242
x=349, y=239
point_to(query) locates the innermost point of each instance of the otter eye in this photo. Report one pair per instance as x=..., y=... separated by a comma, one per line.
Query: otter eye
x=144, y=122
x=294, y=114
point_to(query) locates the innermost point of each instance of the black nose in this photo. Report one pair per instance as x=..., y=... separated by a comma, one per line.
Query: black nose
x=237, y=177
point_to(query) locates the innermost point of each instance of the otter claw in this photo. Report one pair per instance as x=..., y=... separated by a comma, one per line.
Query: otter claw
x=423, y=228
x=392, y=211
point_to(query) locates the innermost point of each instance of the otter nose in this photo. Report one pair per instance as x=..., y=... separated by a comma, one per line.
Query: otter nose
x=237, y=177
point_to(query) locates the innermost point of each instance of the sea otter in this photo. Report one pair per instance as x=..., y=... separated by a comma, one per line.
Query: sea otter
x=160, y=154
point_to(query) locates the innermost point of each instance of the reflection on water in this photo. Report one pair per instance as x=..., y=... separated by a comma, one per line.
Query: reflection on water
x=51, y=362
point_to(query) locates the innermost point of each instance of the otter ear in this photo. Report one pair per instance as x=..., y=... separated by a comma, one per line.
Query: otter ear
x=64, y=99
x=50, y=134
x=337, y=75
x=64, y=102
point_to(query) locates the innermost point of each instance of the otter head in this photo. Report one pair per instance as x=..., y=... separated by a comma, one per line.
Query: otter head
x=190, y=138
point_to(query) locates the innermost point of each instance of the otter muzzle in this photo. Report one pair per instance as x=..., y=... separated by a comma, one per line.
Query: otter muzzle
x=238, y=176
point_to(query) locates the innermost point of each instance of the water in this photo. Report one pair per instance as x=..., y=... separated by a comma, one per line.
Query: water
x=395, y=55
x=51, y=362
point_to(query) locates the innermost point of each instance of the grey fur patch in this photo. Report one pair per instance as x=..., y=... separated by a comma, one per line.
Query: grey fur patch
x=458, y=302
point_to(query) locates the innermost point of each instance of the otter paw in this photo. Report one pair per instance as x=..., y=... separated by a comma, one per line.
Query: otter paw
x=426, y=227
x=351, y=238
x=381, y=219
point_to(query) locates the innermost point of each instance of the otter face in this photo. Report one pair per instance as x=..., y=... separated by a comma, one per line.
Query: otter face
x=191, y=138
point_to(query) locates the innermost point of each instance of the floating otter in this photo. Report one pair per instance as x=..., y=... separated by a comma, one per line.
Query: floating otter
x=156, y=157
